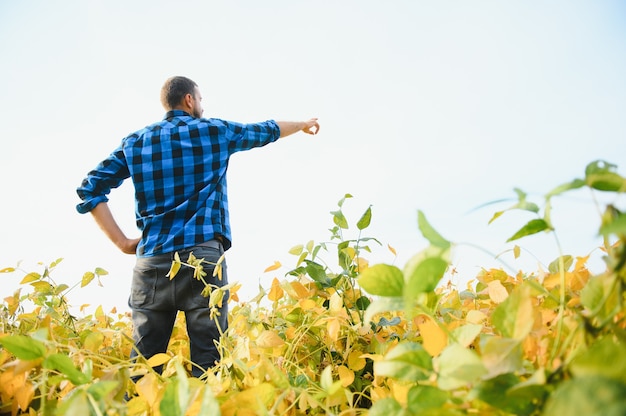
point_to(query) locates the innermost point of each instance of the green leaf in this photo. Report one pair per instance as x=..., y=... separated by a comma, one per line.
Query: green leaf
x=101, y=272
x=514, y=318
x=102, y=389
x=76, y=403
x=365, y=220
x=61, y=288
x=466, y=334
x=317, y=273
x=493, y=392
x=609, y=182
x=532, y=227
x=342, y=200
x=599, y=166
x=602, y=176
x=182, y=388
x=588, y=396
x=382, y=305
x=23, y=347
x=502, y=355
x=169, y=404
x=606, y=357
x=386, y=407
x=210, y=406
x=575, y=184
x=429, y=232
x=555, y=266
x=615, y=226
x=522, y=203
x=458, y=367
x=425, y=276
x=407, y=361
x=421, y=398
x=362, y=303
x=382, y=280
x=339, y=219
x=532, y=390
x=64, y=365
x=601, y=297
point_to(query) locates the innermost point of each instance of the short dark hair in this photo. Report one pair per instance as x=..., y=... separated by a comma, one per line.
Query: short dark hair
x=174, y=90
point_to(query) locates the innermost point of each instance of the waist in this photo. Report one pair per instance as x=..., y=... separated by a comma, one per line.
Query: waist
x=184, y=253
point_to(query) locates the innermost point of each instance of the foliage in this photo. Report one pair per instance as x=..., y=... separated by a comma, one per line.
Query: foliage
x=344, y=337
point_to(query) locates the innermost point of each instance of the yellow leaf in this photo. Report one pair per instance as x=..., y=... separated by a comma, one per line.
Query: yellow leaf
x=346, y=376
x=497, y=292
x=93, y=341
x=253, y=401
x=301, y=291
x=10, y=382
x=393, y=250
x=362, y=264
x=296, y=250
x=217, y=271
x=307, y=304
x=269, y=339
x=356, y=361
x=30, y=277
x=12, y=302
x=24, y=395
x=274, y=266
x=87, y=278
x=551, y=281
x=434, y=338
x=276, y=292
x=333, y=326
x=234, y=297
x=148, y=388
x=290, y=332
x=475, y=317
x=516, y=251
x=159, y=359
x=336, y=303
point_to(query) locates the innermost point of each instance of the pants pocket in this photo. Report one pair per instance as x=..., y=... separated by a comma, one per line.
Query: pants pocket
x=210, y=255
x=143, y=287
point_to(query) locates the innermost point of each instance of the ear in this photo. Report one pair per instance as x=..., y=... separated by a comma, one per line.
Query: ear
x=188, y=101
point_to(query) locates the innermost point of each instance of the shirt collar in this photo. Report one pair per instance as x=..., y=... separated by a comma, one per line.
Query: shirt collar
x=176, y=113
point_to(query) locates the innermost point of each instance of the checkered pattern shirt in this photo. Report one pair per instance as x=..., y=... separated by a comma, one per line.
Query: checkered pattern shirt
x=178, y=167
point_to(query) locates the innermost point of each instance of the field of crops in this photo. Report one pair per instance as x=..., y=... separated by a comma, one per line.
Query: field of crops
x=340, y=336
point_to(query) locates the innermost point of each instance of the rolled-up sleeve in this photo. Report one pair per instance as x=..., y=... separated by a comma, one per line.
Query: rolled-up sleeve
x=109, y=174
x=247, y=136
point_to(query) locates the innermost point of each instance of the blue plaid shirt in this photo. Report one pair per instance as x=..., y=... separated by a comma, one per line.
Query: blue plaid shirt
x=178, y=167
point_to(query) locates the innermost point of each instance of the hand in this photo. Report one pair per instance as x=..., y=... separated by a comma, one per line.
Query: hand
x=129, y=246
x=311, y=126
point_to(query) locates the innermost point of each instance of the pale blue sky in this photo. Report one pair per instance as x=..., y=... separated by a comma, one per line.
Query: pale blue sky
x=439, y=106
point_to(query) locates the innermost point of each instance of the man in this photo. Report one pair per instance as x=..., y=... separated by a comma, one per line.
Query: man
x=178, y=167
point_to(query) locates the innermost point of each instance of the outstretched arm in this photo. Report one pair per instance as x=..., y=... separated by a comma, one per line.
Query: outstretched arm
x=104, y=218
x=290, y=127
